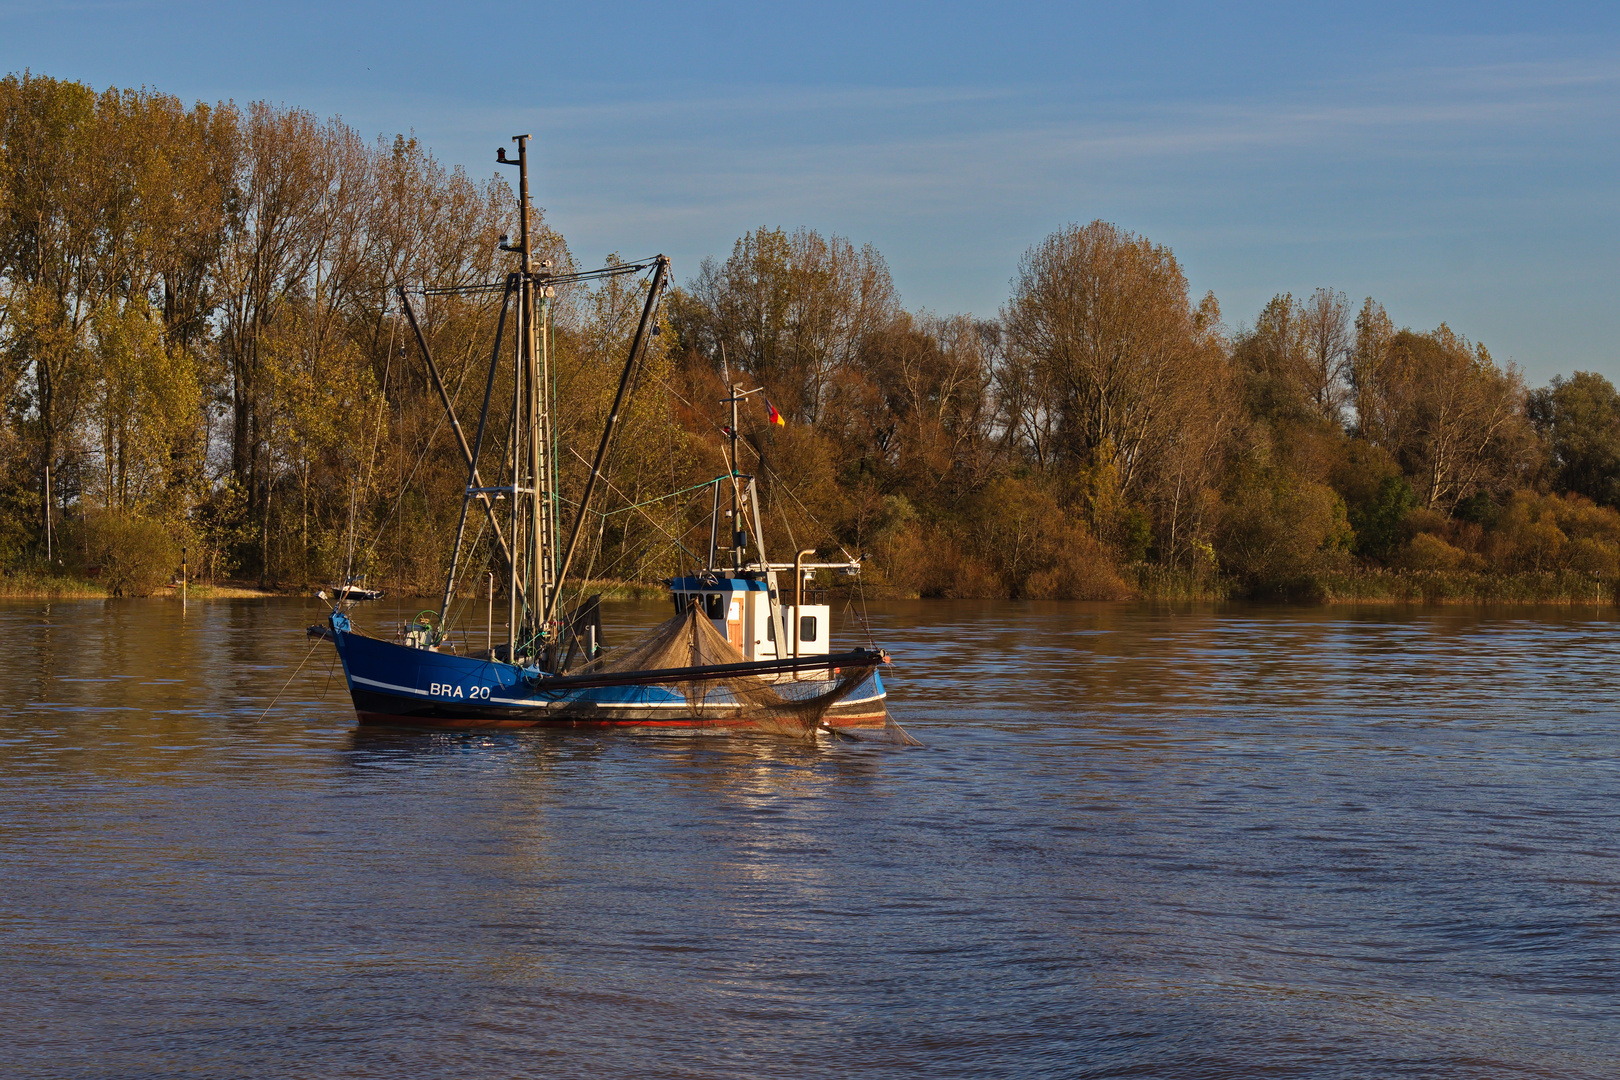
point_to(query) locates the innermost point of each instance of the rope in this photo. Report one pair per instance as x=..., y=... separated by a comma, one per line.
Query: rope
x=769, y=472
x=459, y=610
x=290, y=678
x=656, y=524
x=649, y=551
x=636, y=506
x=620, y=270
x=866, y=620
x=405, y=486
x=376, y=439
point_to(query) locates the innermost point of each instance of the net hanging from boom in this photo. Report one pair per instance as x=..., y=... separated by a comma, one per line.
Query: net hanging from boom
x=795, y=706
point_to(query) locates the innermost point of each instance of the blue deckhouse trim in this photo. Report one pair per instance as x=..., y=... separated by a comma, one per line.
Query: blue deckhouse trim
x=692, y=584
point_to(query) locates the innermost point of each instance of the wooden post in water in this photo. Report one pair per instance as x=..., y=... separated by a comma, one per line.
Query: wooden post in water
x=182, y=580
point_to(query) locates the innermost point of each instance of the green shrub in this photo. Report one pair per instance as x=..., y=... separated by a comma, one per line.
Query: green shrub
x=1428, y=552
x=136, y=556
x=1379, y=522
x=1278, y=531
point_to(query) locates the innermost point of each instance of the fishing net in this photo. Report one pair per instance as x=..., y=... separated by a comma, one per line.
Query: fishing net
x=790, y=704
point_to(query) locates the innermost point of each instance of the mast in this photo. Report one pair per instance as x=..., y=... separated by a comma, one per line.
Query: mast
x=533, y=577
x=740, y=519
x=736, y=508
x=515, y=510
x=536, y=392
x=536, y=562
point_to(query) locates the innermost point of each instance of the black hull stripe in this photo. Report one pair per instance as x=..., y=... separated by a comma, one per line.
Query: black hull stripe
x=376, y=708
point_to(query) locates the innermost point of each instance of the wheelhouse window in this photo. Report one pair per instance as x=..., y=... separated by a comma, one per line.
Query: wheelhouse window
x=714, y=604
x=807, y=628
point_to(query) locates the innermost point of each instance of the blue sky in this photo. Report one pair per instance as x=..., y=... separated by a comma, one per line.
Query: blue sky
x=1456, y=161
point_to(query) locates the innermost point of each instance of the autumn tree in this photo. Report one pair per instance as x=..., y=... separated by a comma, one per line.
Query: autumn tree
x=916, y=409
x=1325, y=326
x=53, y=256
x=1129, y=378
x=1441, y=407
x=145, y=407
x=1295, y=362
x=1271, y=361
x=114, y=207
x=200, y=338
x=790, y=309
x=1580, y=419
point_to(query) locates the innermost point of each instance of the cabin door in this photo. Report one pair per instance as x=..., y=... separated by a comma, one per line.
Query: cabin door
x=734, y=624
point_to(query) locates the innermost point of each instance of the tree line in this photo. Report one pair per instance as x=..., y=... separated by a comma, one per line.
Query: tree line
x=198, y=341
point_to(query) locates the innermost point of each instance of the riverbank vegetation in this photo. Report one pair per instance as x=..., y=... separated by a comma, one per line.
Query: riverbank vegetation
x=200, y=349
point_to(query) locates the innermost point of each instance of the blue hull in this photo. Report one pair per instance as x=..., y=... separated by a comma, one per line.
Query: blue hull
x=397, y=685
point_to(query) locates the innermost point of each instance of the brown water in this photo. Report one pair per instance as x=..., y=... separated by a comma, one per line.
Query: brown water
x=1208, y=843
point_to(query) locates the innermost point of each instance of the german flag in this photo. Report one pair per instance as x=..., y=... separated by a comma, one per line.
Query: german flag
x=775, y=417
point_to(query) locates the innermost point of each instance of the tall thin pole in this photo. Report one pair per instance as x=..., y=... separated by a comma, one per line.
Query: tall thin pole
x=472, y=473
x=736, y=507
x=798, y=595
x=539, y=588
x=517, y=543
x=525, y=417
x=548, y=461
x=47, y=515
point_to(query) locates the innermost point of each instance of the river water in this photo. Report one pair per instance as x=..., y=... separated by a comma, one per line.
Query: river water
x=1233, y=842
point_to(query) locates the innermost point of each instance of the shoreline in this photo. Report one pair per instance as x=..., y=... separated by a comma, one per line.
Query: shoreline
x=80, y=589
x=76, y=591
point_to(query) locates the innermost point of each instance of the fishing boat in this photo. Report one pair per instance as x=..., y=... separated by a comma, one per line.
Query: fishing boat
x=351, y=592
x=739, y=650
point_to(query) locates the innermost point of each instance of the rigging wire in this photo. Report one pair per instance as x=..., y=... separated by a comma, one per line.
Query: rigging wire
x=651, y=551
x=864, y=618
x=620, y=270
x=290, y=678
x=376, y=439
x=405, y=485
x=584, y=580
x=461, y=609
x=769, y=472
x=639, y=505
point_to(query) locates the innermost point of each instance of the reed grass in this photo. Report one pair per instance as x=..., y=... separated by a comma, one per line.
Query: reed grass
x=29, y=585
x=1172, y=584
x=1155, y=584
x=1465, y=587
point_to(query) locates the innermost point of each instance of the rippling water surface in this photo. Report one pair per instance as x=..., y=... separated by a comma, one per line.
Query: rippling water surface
x=1192, y=843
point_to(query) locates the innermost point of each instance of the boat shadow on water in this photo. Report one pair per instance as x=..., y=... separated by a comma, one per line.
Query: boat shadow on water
x=371, y=747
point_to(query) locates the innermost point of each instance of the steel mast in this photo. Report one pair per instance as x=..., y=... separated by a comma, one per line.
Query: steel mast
x=533, y=484
x=530, y=544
